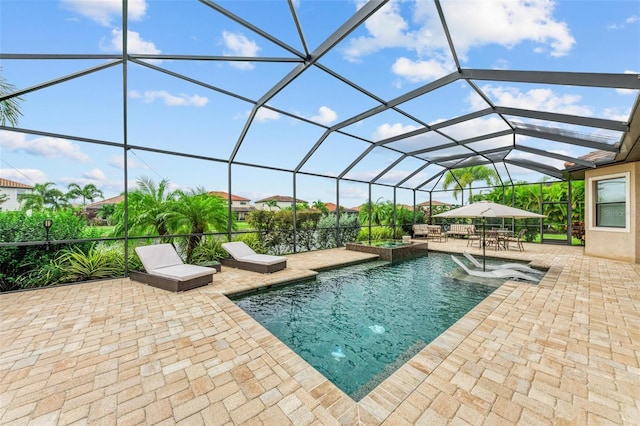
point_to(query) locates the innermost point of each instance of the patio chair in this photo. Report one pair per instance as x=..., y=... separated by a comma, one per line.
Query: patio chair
x=496, y=273
x=473, y=235
x=166, y=270
x=243, y=257
x=516, y=266
x=492, y=239
x=518, y=239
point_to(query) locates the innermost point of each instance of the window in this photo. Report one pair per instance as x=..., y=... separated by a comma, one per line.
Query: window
x=610, y=202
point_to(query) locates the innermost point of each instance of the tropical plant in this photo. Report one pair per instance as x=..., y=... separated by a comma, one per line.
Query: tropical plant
x=19, y=265
x=464, y=177
x=88, y=192
x=9, y=108
x=378, y=212
x=196, y=212
x=320, y=205
x=96, y=263
x=209, y=249
x=271, y=204
x=44, y=195
x=150, y=209
x=377, y=233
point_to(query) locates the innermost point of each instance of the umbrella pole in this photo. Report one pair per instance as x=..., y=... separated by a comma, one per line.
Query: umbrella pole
x=484, y=244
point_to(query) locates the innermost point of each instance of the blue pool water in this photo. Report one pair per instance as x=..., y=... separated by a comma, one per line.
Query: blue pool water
x=357, y=325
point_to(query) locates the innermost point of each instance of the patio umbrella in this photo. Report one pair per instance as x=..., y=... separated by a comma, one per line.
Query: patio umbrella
x=485, y=209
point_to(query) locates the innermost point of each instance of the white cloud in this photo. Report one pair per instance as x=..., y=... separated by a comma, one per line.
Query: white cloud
x=105, y=11
x=387, y=130
x=237, y=44
x=629, y=21
x=325, y=116
x=118, y=162
x=617, y=114
x=387, y=28
x=42, y=146
x=475, y=127
x=551, y=162
x=27, y=176
x=534, y=99
x=417, y=71
x=472, y=24
x=506, y=23
x=135, y=43
x=265, y=114
x=150, y=96
x=95, y=174
x=628, y=91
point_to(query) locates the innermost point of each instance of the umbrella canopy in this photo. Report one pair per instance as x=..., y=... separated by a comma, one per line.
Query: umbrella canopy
x=484, y=209
x=488, y=209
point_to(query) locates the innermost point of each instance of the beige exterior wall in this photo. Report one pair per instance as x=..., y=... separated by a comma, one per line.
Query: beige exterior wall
x=614, y=243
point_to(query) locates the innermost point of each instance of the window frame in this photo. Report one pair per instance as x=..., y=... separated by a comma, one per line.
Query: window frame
x=593, y=202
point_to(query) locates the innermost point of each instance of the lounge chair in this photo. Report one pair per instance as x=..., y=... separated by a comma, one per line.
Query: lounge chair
x=516, y=266
x=166, y=270
x=496, y=273
x=243, y=257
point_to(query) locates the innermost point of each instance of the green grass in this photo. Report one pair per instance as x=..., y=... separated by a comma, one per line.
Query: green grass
x=243, y=226
x=562, y=237
x=105, y=231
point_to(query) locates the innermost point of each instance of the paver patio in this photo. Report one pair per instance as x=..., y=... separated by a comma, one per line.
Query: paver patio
x=566, y=351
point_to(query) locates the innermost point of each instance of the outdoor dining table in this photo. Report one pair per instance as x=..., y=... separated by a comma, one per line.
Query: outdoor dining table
x=503, y=234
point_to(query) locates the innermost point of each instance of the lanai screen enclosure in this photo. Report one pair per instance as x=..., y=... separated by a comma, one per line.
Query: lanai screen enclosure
x=340, y=100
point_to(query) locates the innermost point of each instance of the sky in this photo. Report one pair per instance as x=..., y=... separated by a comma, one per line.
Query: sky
x=400, y=48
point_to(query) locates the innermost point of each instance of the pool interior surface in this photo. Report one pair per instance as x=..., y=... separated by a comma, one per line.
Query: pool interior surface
x=357, y=325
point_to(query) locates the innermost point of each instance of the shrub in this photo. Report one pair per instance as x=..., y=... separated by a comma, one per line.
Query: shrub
x=209, y=249
x=98, y=262
x=377, y=233
x=19, y=266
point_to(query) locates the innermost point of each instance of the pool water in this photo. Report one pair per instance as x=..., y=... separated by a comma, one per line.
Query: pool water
x=359, y=324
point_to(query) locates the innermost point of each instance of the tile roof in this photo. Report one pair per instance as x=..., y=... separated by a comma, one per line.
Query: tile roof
x=6, y=183
x=225, y=195
x=98, y=204
x=280, y=199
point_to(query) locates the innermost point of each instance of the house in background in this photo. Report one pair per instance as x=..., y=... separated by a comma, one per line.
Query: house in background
x=344, y=210
x=239, y=205
x=91, y=210
x=9, y=191
x=95, y=207
x=278, y=201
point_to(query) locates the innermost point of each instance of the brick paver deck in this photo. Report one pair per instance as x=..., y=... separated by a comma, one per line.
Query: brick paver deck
x=566, y=351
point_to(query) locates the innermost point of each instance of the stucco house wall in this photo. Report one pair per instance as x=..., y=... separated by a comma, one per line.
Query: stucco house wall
x=11, y=190
x=614, y=243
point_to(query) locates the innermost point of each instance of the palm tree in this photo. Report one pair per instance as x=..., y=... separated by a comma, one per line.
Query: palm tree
x=381, y=212
x=320, y=205
x=149, y=208
x=88, y=192
x=196, y=212
x=9, y=109
x=271, y=204
x=43, y=195
x=465, y=176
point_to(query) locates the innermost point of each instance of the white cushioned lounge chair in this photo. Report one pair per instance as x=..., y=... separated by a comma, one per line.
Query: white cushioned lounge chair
x=496, y=273
x=243, y=257
x=166, y=270
x=516, y=266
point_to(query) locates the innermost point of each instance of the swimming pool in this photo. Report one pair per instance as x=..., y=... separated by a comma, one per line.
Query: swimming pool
x=358, y=324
